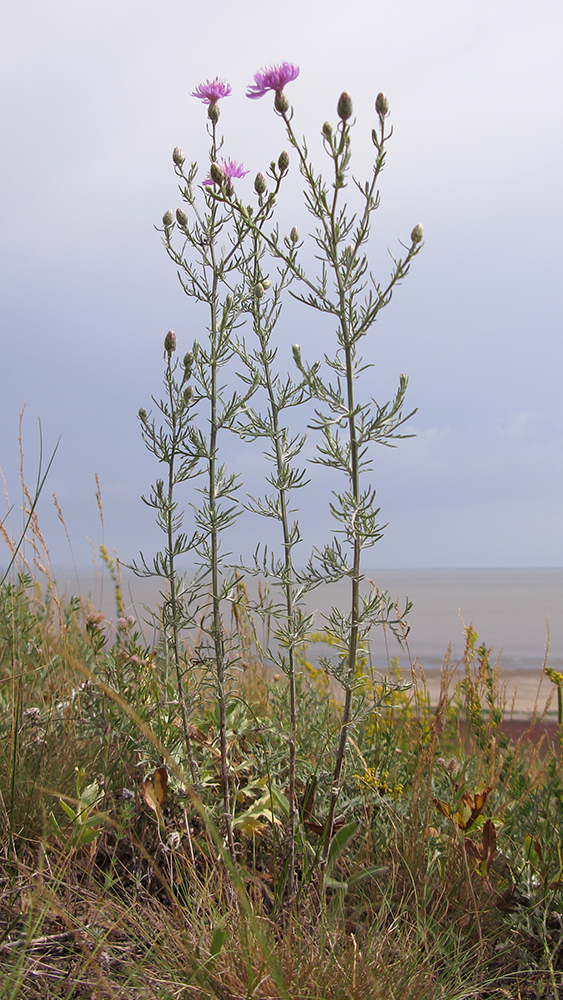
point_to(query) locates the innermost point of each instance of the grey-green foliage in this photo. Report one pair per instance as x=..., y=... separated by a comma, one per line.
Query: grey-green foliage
x=345, y=290
x=222, y=263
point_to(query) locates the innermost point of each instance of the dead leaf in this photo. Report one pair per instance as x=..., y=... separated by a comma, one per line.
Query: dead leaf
x=154, y=790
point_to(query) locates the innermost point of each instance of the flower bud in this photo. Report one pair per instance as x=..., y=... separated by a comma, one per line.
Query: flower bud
x=296, y=350
x=181, y=217
x=417, y=233
x=266, y=283
x=229, y=301
x=345, y=108
x=167, y=218
x=170, y=342
x=188, y=359
x=143, y=415
x=259, y=183
x=213, y=112
x=188, y=394
x=382, y=105
x=327, y=130
x=216, y=173
x=283, y=161
x=281, y=102
x=294, y=235
x=177, y=156
x=259, y=290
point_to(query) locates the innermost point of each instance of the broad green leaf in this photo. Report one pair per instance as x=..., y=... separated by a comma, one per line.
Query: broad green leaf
x=68, y=810
x=339, y=841
x=333, y=883
x=54, y=824
x=217, y=941
x=370, y=872
x=86, y=836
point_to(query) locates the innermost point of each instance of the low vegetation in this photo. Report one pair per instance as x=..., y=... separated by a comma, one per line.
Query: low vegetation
x=444, y=874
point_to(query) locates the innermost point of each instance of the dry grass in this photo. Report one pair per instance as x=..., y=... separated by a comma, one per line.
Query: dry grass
x=445, y=874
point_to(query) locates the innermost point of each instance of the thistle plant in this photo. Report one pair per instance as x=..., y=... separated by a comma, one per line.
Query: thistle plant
x=222, y=263
x=281, y=394
x=210, y=273
x=172, y=445
x=346, y=291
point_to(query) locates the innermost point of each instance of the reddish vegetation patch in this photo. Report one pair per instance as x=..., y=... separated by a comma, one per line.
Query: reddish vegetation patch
x=515, y=728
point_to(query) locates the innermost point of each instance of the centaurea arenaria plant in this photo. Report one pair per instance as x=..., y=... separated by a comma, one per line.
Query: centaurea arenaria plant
x=273, y=78
x=231, y=280
x=347, y=428
x=210, y=274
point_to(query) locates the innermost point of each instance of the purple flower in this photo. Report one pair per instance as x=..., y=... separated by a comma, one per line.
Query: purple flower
x=212, y=91
x=272, y=78
x=229, y=169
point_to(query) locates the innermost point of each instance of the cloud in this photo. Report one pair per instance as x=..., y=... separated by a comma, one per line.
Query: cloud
x=519, y=425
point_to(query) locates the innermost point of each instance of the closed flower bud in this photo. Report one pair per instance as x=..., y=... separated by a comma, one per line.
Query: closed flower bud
x=345, y=108
x=259, y=290
x=417, y=233
x=266, y=283
x=167, y=218
x=188, y=359
x=216, y=173
x=259, y=183
x=283, y=161
x=382, y=105
x=327, y=130
x=229, y=301
x=181, y=217
x=188, y=394
x=296, y=350
x=170, y=342
x=281, y=102
x=177, y=156
x=143, y=415
x=294, y=235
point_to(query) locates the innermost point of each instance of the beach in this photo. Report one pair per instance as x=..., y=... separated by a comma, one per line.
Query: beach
x=517, y=613
x=524, y=694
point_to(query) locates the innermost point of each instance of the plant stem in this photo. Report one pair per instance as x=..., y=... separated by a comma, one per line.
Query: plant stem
x=217, y=624
x=171, y=572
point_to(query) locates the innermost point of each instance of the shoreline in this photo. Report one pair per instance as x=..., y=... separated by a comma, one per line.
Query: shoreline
x=524, y=694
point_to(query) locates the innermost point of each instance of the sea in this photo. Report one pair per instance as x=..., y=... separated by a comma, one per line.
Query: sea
x=517, y=613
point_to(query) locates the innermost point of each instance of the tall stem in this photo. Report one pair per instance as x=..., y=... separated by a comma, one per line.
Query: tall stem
x=288, y=579
x=171, y=574
x=355, y=579
x=217, y=624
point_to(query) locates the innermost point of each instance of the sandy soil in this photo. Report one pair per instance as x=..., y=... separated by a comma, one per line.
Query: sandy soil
x=523, y=693
x=530, y=705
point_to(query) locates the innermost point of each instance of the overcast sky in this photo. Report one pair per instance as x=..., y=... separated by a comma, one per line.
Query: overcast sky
x=95, y=95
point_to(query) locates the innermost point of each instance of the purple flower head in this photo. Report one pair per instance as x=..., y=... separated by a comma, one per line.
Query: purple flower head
x=272, y=78
x=212, y=91
x=229, y=169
